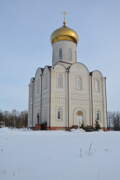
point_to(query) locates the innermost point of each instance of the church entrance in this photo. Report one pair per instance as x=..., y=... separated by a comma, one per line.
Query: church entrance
x=78, y=118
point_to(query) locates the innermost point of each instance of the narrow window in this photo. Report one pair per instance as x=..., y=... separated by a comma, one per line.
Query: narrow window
x=60, y=113
x=60, y=80
x=60, y=53
x=97, y=85
x=78, y=83
x=70, y=54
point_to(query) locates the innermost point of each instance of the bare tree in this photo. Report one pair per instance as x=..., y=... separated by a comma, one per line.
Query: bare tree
x=114, y=120
x=14, y=119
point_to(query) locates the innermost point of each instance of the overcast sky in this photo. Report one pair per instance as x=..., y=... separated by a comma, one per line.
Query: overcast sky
x=25, y=29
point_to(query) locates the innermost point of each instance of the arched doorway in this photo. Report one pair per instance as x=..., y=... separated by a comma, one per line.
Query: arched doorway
x=79, y=118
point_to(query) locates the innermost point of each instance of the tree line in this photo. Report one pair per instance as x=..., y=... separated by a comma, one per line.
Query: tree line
x=14, y=119
x=113, y=120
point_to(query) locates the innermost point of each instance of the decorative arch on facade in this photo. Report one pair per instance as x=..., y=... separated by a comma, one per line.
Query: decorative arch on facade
x=60, y=71
x=97, y=80
x=79, y=77
x=79, y=111
x=79, y=66
x=38, y=73
x=98, y=73
x=59, y=67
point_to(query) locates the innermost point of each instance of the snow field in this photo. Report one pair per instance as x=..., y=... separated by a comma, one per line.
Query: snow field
x=59, y=155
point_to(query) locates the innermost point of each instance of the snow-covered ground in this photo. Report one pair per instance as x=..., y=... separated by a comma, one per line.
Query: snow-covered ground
x=59, y=155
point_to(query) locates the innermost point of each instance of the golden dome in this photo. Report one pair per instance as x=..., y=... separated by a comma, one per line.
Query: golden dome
x=64, y=33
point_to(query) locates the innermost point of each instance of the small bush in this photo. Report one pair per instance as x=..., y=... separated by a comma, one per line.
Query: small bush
x=67, y=129
x=89, y=128
x=82, y=126
x=97, y=126
x=43, y=126
x=75, y=127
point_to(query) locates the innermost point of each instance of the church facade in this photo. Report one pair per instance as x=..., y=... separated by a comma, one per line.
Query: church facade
x=67, y=94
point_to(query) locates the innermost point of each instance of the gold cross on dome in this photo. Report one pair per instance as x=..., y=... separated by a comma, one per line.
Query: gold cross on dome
x=64, y=15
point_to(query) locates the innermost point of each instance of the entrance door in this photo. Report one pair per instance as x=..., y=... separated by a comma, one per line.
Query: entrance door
x=79, y=118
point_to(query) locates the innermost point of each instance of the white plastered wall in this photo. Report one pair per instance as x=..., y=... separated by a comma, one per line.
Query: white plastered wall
x=46, y=95
x=37, y=96
x=58, y=96
x=99, y=98
x=79, y=99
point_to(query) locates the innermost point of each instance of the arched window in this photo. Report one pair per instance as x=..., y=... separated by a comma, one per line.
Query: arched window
x=70, y=54
x=60, y=80
x=60, y=113
x=97, y=85
x=78, y=83
x=60, y=53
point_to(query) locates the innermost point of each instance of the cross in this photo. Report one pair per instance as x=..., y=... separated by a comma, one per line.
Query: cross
x=64, y=15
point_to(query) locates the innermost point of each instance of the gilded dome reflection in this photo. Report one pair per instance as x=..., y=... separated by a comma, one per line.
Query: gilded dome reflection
x=64, y=33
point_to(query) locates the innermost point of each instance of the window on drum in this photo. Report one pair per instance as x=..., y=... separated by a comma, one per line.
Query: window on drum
x=70, y=54
x=60, y=53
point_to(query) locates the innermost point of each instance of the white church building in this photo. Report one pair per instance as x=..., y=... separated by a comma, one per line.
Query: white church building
x=67, y=94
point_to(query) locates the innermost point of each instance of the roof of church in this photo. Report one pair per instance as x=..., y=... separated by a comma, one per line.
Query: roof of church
x=64, y=33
